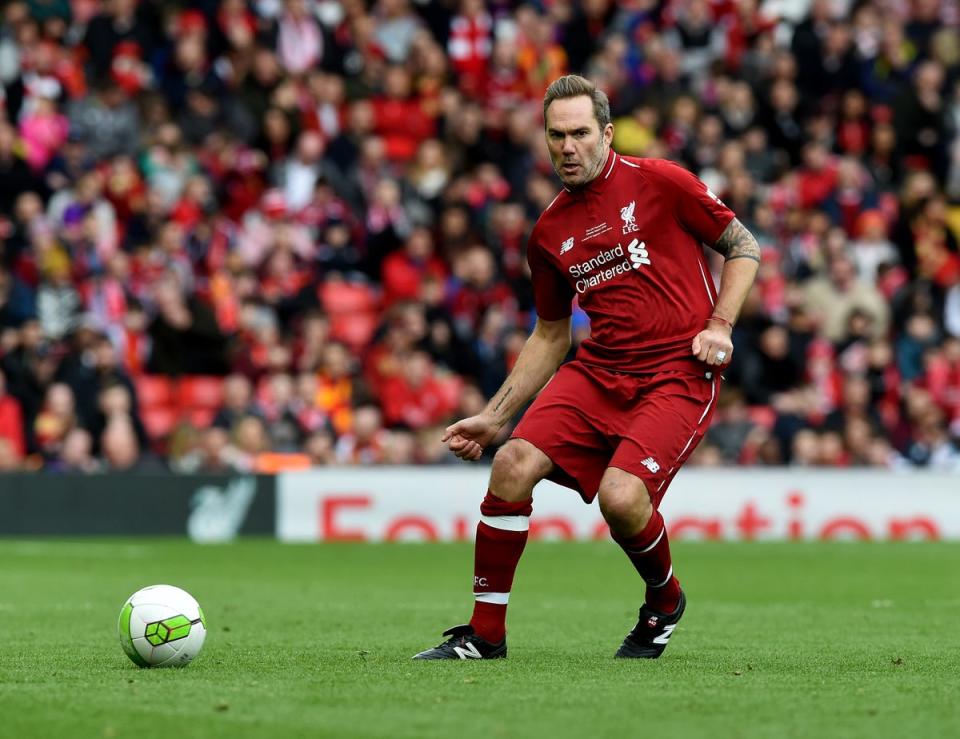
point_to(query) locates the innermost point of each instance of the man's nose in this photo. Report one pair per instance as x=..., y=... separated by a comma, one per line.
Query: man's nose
x=568, y=147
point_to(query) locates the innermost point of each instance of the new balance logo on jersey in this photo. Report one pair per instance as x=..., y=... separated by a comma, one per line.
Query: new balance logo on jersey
x=638, y=253
x=566, y=245
x=650, y=463
x=629, y=221
x=470, y=651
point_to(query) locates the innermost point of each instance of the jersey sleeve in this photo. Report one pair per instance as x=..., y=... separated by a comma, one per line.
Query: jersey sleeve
x=698, y=210
x=552, y=294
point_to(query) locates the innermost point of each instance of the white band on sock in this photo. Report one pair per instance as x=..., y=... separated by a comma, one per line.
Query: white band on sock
x=500, y=599
x=655, y=542
x=669, y=575
x=507, y=523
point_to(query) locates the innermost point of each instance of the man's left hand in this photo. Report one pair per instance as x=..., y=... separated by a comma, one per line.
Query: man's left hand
x=713, y=345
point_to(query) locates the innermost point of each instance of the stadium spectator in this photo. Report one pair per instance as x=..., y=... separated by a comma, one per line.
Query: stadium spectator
x=15, y=174
x=366, y=443
x=238, y=402
x=319, y=446
x=9, y=462
x=11, y=420
x=120, y=449
x=184, y=334
x=414, y=397
x=55, y=419
x=76, y=454
x=106, y=121
x=212, y=453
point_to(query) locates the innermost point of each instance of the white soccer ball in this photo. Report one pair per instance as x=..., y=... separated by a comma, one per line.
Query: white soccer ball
x=162, y=626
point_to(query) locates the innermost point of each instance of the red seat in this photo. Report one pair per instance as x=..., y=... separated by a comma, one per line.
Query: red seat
x=347, y=297
x=354, y=329
x=154, y=391
x=262, y=393
x=762, y=415
x=159, y=421
x=200, y=391
x=200, y=418
x=451, y=387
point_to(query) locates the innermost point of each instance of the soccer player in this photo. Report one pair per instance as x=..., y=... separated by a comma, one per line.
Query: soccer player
x=625, y=238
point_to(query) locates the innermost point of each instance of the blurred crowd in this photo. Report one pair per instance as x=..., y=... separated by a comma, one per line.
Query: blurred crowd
x=236, y=235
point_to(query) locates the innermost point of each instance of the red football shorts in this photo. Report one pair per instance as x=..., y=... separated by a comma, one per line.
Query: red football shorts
x=587, y=419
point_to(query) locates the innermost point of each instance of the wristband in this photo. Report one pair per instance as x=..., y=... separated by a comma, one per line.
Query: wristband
x=721, y=320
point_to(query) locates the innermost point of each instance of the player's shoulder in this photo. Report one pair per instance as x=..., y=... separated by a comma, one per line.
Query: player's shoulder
x=551, y=215
x=656, y=169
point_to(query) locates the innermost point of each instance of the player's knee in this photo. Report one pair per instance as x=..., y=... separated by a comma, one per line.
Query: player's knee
x=517, y=467
x=624, y=505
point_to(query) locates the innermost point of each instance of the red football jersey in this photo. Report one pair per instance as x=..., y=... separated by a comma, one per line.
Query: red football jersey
x=629, y=246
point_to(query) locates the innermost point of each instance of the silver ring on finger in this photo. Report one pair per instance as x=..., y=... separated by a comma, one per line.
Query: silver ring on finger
x=721, y=355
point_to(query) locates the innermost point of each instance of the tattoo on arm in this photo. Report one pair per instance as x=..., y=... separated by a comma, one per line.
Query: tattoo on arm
x=736, y=242
x=502, y=398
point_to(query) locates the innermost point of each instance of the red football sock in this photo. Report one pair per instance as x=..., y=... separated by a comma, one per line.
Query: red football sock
x=649, y=551
x=501, y=536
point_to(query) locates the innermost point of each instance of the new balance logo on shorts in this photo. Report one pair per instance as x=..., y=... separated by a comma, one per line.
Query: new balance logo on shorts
x=651, y=464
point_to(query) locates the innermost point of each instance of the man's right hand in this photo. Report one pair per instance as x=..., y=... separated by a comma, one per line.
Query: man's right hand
x=467, y=438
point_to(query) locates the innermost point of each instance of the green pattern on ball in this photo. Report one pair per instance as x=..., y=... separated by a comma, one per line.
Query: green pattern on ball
x=203, y=619
x=126, y=640
x=168, y=630
x=179, y=627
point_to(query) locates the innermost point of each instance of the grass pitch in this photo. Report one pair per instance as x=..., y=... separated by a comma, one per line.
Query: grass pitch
x=779, y=640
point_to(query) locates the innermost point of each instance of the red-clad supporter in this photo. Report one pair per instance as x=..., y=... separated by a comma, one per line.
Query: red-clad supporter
x=327, y=107
x=506, y=87
x=124, y=189
x=131, y=339
x=11, y=420
x=479, y=289
x=469, y=46
x=404, y=271
x=335, y=388
x=311, y=417
x=235, y=25
x=282, y=278
x=399, y=116
x=415, y=397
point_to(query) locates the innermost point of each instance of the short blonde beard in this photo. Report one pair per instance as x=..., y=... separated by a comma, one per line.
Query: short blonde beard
x=596, y=167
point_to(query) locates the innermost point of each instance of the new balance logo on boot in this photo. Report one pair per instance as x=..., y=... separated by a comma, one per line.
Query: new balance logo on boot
x=464, y=643
x=652, y=633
